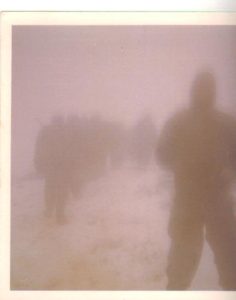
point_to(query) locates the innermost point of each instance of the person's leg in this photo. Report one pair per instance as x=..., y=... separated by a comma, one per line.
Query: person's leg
x=221, y=235
x=62, y=195
x=49, y=198
x=186, y=233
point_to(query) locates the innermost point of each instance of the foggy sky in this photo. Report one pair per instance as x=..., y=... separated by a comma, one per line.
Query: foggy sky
x=119, y=72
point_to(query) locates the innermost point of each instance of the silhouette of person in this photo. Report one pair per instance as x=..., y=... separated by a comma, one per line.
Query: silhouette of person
x=76, y=128
x=52, y=163
x=198, y=146
x=97, y=148
x=118, y=148
x=144, y=137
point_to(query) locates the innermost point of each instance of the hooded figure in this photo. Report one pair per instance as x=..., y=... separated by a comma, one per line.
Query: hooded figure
x=51, y=162
x=199, y=146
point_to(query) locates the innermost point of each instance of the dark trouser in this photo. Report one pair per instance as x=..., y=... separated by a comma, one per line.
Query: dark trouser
x=186, y=229
x=56, y=193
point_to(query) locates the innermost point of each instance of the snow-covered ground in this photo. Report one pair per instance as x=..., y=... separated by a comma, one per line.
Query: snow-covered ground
x=115, y=237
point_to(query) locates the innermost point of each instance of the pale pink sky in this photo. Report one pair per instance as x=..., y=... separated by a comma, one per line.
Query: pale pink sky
x=120, y=72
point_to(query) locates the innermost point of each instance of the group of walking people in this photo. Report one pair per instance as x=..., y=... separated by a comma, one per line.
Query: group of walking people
x=197, y=144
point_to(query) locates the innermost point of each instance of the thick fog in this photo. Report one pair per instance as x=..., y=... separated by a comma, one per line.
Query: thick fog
x=109, y=130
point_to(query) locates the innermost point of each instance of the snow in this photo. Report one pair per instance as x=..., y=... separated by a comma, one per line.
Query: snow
x=115, y=236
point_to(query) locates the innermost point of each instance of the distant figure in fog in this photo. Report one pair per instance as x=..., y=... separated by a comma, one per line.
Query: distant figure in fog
x=76, y=131
x=51, y=162
x=116, y=134
x=143, y=142
x=98, y=147
x=70, y=154
x=198, y=146
x=87, y=150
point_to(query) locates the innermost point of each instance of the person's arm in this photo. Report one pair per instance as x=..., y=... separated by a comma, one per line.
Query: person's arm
x=165, y=145
x=160, y=151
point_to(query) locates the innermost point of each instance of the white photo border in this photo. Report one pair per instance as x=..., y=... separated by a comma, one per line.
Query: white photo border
x=9, y=19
